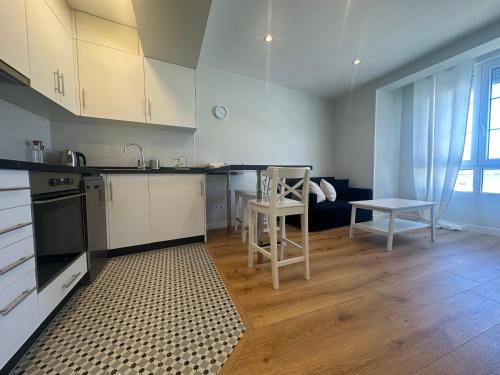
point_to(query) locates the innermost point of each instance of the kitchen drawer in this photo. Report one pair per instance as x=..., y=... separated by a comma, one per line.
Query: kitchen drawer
x=14, y=198
x=15, y=236
x=14, y=219
x=52, y=294
x=17, y=325
x=14, y=179
x=16, y=260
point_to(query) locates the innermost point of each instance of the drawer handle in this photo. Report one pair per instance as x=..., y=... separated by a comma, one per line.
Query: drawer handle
x=70, y=281
x=15, y=264
x=15, y=188
x=11, y=306
x=14, y=227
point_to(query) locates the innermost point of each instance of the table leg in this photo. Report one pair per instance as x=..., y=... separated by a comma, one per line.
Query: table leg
x=433, y=223
x=353, y=221
x=390, y=236
x=228, y=201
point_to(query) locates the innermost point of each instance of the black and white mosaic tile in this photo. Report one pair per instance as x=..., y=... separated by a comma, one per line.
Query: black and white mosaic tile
x=160, y=312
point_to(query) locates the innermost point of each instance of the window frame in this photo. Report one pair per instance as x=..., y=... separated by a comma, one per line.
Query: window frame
x=479, y=161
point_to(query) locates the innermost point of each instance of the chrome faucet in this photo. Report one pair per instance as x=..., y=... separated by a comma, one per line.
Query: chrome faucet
x=140, y=163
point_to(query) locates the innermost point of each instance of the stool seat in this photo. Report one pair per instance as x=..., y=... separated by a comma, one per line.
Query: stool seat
x=285, y=202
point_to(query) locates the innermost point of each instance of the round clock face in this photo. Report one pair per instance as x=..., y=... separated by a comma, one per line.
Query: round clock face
x=220, y=112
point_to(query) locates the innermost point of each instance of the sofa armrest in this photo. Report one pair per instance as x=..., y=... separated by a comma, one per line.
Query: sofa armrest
x=357, y=194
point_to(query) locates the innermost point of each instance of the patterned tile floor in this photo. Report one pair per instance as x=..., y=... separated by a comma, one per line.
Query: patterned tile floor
x=160, y=312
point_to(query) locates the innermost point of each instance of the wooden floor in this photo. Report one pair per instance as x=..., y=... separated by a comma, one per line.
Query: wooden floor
x=426, y=308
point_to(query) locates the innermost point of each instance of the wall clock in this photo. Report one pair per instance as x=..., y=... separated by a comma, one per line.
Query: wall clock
x=220, y=112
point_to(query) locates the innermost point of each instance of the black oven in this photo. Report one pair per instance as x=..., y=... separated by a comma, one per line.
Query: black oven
x=58, y=218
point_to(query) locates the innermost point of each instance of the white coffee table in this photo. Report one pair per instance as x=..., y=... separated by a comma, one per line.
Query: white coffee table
x=391, y=225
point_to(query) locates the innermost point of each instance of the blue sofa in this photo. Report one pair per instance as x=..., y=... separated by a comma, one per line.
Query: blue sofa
x=326, y=215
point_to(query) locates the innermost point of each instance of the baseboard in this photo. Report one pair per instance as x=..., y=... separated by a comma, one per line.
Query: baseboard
x=480, y=229
x=154, y=246
x=217, y=225
x=9, y=366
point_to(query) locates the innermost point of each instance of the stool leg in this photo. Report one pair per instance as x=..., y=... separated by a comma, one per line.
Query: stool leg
x=282, y=235
x=244, y=222
x=274, y=251
x=251, y=234
x=305, y=244
x=237, y=210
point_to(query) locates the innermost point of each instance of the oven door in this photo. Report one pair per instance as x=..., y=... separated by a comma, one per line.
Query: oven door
x=59, y=233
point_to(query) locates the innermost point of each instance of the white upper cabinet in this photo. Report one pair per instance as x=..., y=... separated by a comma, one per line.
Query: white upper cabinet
x=14, y=43
x=111, y=83
x=170, y=94
x=127, y=197
x=177, y=206
x=50, y=54
x=62, y=12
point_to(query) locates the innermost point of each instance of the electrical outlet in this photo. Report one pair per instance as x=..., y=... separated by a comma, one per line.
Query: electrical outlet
x=218, y=206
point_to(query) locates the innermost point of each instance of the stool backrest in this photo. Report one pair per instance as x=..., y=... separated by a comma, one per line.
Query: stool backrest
x=279, y=188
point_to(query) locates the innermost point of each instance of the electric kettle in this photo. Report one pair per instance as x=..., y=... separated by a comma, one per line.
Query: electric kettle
x=72, y=158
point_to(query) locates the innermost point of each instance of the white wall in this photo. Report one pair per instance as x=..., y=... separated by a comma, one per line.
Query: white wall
x=266, y=124
x=386, y=145
x=17, y=129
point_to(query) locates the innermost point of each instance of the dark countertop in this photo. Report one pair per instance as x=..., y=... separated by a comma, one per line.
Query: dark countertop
x=89, y=170
x=42, y=167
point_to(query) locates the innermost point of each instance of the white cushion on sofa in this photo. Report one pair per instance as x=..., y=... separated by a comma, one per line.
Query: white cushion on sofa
x=328, y=190
x=314, y=188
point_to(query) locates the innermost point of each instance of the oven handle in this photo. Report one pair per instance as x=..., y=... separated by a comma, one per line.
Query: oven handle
x=59, y=199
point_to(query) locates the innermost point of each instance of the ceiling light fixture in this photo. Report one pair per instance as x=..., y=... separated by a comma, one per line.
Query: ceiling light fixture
x=268, y=38
x=357, y=62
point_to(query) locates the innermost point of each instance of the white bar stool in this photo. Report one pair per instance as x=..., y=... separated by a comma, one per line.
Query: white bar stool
x=240, y=211
x=275, y=206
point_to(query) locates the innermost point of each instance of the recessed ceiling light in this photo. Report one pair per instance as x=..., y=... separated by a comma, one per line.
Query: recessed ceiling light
x=357, y=62
x=268, y=38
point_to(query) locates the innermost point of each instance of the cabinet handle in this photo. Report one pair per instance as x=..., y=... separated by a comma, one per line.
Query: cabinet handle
x=56, y=81
x=14, y=227
x=11, y=306
x=15, y=188
x=110, y=192
x=15, y=264
x=149, y=108
x=83, y=100
x=63, y=92
x=70, y=281
x=201, y=188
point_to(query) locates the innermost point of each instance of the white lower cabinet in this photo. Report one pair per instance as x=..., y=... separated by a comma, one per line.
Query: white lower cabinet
x=144, y=208
x=127, y=210
x=18, y=315
x=177, y=206
x=50, y=296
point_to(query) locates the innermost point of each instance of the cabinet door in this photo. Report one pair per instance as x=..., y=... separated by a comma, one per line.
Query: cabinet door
x=14, y=43
x=177, y=206
x=111, y=83
x=50, y=55
x=170, y=93
x=127, y=210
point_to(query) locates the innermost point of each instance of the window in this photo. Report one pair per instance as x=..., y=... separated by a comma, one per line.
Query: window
x=480, y=171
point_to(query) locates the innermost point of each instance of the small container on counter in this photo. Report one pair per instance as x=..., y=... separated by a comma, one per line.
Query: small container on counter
x=37, y=148
x=154, y=163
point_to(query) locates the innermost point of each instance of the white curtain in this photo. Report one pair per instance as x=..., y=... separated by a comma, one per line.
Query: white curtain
x=440, y=108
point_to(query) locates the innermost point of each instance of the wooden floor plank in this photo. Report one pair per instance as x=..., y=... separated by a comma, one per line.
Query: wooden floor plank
x=364, y=310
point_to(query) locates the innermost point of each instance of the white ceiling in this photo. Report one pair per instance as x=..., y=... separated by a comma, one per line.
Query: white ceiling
x=315, y=41
x=120, y=11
